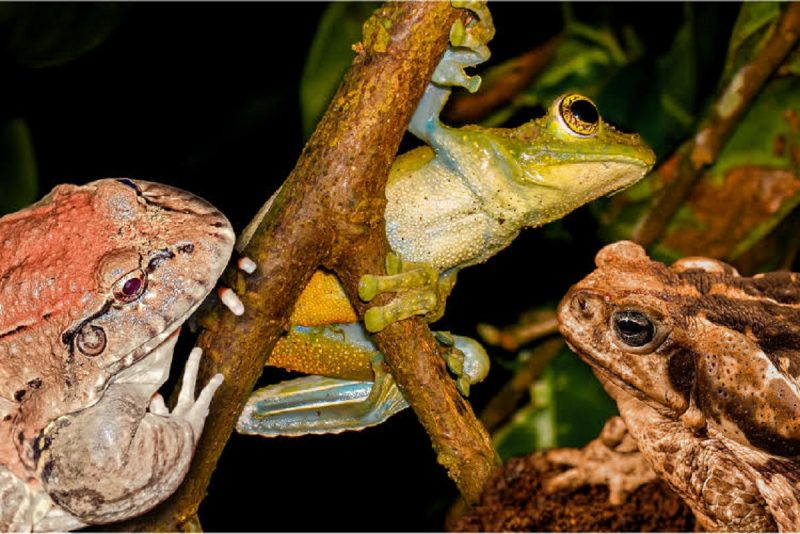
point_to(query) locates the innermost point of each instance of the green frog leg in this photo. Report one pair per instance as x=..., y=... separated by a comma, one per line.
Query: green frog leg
x=321, y=404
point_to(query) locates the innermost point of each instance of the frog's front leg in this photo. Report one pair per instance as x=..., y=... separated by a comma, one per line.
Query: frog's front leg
x=423, y=291
x=116, y=459
x=467, y=49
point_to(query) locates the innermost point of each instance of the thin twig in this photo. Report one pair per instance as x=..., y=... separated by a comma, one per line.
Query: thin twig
x=507, y=399
x=681, y=171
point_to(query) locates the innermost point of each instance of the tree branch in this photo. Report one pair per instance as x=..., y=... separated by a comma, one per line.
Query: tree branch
x=682, y=170
x=329, y=213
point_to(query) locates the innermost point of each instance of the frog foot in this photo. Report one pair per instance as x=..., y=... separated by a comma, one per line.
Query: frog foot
x=612, y=459
x=423, y=292
x=466, y=358
x=321, y=405
x=467, y=47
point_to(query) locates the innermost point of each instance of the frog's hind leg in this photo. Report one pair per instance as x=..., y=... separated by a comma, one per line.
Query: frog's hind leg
x=321, y=405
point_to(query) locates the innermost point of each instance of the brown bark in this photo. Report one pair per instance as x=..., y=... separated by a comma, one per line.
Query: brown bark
x=330, y=213
x=684, y=168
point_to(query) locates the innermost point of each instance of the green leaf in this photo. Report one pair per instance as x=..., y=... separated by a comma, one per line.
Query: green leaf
x=18, y=180
x=330, y=54
x=754, y=25
x=51, y=34
x=568, y=408
x=585, y=59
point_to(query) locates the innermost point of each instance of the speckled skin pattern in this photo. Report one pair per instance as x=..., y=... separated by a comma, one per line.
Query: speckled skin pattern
x=83, y=348
x=712, y=399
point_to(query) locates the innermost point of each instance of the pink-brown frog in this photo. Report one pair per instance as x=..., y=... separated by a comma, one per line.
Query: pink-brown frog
x=95, y=283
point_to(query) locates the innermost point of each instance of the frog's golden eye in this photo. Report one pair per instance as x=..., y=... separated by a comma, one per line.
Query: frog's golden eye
x=579, y=114
x=130, y=287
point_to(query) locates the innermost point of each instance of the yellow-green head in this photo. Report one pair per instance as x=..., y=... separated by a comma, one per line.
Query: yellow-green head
x=568, y=157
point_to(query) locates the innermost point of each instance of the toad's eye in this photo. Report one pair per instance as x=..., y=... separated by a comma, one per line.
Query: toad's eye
x=579, y=114
x=633, y=328
x=130, y=287
x=131, y=184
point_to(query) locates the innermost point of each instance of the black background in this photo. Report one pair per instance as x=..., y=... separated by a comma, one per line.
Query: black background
x=205, y=97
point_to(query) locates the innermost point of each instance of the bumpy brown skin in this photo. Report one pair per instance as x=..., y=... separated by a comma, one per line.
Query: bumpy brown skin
x=712, y=396
x=63, y=262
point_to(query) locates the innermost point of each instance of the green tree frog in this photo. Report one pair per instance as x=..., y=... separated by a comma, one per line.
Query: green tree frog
x=452, y=203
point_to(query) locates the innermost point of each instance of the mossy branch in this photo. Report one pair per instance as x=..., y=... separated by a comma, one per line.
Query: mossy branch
x=330, y=213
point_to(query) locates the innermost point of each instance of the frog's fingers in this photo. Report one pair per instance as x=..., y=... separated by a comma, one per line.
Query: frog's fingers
x=247, y=265
x=186, y=396
x=231, y=300
x=196, y=416
x=157, y=405
x=369, y=286
x=402, y=307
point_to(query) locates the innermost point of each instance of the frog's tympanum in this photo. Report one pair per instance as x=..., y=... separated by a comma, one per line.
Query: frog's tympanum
x=704, y=367
x=95, y=282
x=452, y=203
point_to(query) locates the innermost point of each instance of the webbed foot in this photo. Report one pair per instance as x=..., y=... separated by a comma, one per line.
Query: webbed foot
x=423, y=291
x=321, y=405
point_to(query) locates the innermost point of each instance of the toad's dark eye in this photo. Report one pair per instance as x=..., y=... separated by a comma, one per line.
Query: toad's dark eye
x=131, y=184
x=579, y=114
x=632, y=327
x=130, y=287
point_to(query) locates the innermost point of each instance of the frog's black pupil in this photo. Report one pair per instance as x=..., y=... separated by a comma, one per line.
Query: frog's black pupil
x=585, y=111
x=633, y=327
x=131, y=287
x=130, y=184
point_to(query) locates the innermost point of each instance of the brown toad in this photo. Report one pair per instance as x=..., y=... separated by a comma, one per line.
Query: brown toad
x=704, y=367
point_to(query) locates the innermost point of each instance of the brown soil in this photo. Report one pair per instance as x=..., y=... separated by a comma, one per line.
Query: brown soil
x=514, y=501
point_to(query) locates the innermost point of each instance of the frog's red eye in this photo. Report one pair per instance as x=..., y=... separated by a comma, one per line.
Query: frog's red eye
x=579, y=114
x=131, y=286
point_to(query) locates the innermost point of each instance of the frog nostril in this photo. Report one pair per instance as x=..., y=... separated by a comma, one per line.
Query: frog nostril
x=91, y=340
x=584, y=306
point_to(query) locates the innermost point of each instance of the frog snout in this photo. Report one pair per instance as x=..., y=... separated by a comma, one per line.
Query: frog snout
x=580, y=308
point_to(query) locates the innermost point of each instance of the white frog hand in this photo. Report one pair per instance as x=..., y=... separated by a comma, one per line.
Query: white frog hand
x=194, y=411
